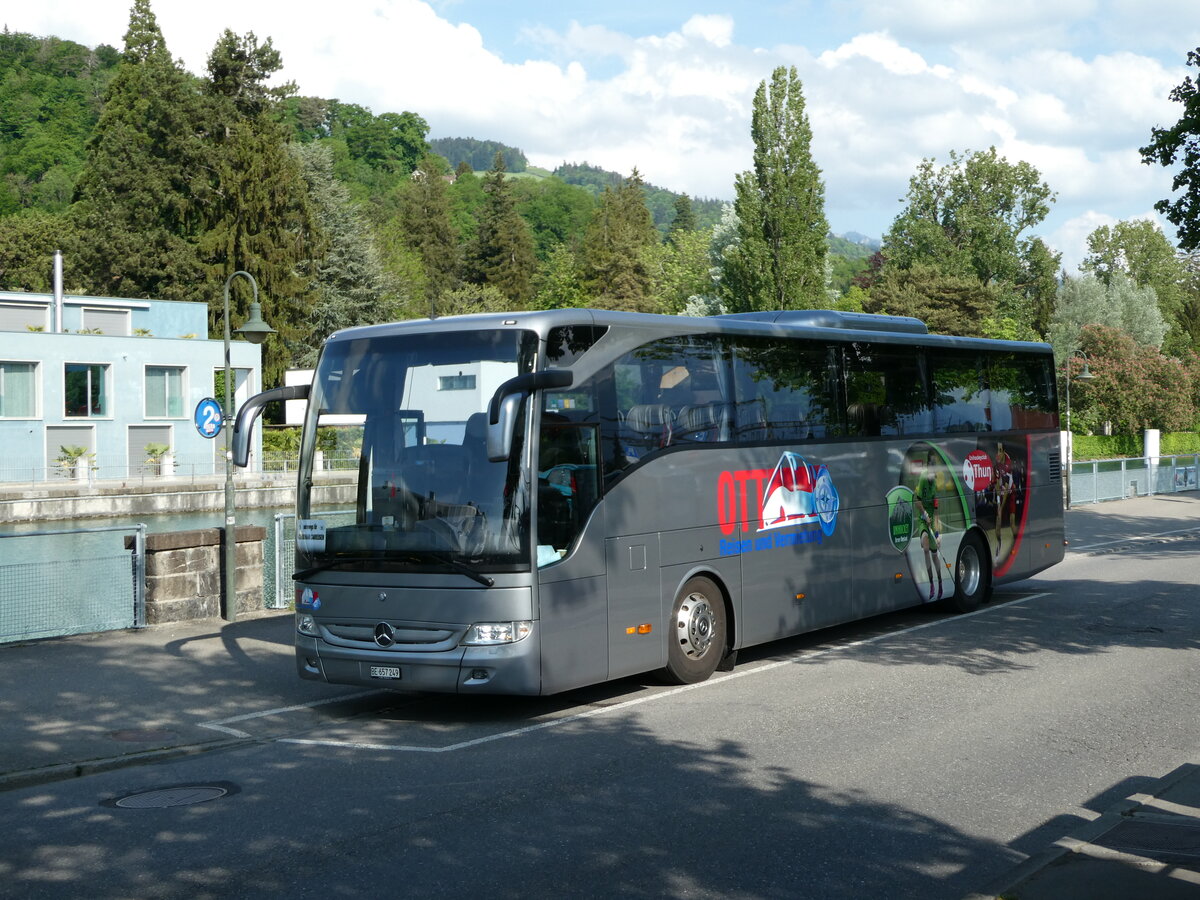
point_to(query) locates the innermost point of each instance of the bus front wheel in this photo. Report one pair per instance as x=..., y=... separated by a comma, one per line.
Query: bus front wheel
x=696, y=638
x=971, y=575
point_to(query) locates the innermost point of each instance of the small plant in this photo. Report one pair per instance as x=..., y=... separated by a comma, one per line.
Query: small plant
x=188, y=336
x=155, y=452
x=143, y=332
x=69, y=456
x=36, y=327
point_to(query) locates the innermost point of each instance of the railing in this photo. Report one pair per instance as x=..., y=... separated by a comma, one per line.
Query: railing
x=1099, y=480
x=187, y=470
x=45, y=596
x=279, y=554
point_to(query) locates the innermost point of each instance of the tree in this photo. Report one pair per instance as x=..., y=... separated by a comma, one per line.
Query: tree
x=558, y=284
x=615, y=248
x=142, y=189
x=684, y=220
x=557, y=212
x=28, y=240
x=502, y=253
x=948, y=304
x=1120, y=305
x=350, y=287
x=1135, y=387
x=1181, y=144
x=422, y=223
x=257, y=215
x=779, y=262
x=968, y=218
x=1140, y=250
x=680, y=269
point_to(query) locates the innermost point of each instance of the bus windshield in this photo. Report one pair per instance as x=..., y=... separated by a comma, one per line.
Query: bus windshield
x=407, y=414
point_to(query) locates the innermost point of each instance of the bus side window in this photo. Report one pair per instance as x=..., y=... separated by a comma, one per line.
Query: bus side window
x=568, y=483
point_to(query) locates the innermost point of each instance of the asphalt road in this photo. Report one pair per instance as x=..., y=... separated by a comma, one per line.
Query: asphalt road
x=915, y=755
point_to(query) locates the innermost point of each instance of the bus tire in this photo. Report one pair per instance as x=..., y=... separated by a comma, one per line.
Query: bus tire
x=972, y=576
x=696, y=632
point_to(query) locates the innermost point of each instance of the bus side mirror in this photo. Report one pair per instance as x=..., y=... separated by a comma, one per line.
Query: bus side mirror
x=243, y=425
x=506, y=404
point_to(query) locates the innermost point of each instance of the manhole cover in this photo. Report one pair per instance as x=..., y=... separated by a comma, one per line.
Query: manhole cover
x=142, y=735
x=178, y=795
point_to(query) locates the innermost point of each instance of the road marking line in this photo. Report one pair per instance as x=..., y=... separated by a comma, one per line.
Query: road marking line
x=219, y=724
x=712, y=682
x=1134, y=540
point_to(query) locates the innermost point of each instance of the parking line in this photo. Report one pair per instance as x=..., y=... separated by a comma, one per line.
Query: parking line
x=219, y=724
x=712, y=682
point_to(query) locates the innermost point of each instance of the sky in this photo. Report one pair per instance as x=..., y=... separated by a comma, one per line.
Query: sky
x=1071, y=86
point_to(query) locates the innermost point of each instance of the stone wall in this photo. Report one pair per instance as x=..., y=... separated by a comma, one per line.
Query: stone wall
x=185, y=577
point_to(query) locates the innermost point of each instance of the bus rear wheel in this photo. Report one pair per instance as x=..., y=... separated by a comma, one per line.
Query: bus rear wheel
x=696, y=632
x=971, y=576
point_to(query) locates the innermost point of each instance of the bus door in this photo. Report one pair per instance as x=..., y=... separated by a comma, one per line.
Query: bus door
x=635, y=614
x=572, y=601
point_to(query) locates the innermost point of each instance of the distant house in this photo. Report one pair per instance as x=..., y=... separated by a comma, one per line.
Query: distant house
x=119, y=378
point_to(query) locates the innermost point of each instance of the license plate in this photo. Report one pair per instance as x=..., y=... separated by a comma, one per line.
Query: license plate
x=385, y=672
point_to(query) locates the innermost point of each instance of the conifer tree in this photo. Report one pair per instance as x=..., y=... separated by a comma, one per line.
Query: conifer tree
x=423, y=225
x=779, y=262
x=685, y=218
x=257, y=217
x=350, y=287
x=140, y=192
x=615, y=248
x=502, y=253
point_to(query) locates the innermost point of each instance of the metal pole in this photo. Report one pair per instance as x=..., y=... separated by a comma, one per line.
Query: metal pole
x=230, y=520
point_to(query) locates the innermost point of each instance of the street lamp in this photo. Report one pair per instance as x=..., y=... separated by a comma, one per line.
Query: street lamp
x=1085, y=376
x=255, y=331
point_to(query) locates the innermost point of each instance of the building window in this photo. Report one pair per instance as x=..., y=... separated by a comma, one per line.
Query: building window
x=18, y=390
x=84, y=390
x=456, y=383
x=105, y=321
x=164, y=392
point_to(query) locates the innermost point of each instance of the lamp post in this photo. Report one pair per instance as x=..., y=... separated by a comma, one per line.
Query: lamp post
x=1085, y=376
x=255, y=331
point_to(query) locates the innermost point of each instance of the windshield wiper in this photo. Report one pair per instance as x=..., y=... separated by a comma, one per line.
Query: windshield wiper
x=307, y=573
x=462, y=569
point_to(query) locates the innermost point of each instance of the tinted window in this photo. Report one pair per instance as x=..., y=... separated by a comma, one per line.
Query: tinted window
x=785, y=390
x=961, y=401
x=1023, y=391
x=886, y=390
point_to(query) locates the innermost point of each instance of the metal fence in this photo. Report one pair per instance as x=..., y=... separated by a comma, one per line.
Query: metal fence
x=72, y=581
x=1116, y=479
x=279, y=555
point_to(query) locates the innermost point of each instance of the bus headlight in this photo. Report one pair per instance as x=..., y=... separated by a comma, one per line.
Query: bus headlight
x=306, y=624
x=485, y=633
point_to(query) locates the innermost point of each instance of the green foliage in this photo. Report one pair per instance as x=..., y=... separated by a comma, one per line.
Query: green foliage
x=422, y=224
x=1177, y=443
x=478, y=154
x=559, y=284
x=1120, y=305
x=680, y=270
x=1141, y=251
x=557, y=213
x=948, y=304
x=659, y=201
x=779, y=262
x=1106, y=446
x=967, y=219
x=350, y=285
x=502, y=254
x=1134, y=386
x=1181, y=144
x=616, y=265
x=28, y=240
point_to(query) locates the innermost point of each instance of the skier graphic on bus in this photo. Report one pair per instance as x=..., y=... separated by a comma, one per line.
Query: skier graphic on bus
x=799, y=493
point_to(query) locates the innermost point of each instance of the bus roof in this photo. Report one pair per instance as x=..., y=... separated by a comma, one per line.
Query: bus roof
x=827, y=324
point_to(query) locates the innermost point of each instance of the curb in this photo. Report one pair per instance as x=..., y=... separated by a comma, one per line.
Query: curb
x=1084, y=837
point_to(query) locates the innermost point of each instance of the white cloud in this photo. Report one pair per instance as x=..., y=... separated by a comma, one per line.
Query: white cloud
x=884, y=50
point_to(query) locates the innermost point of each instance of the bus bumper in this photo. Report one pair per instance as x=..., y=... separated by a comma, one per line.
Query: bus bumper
x=499, y=669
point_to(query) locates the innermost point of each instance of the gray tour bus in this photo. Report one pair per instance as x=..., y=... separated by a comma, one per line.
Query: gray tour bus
x=546, y=500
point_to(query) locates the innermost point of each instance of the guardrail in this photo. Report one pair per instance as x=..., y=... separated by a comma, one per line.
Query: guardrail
x=1096, y=481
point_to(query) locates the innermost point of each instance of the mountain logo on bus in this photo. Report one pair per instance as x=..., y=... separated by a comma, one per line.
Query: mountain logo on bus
x=799, y=493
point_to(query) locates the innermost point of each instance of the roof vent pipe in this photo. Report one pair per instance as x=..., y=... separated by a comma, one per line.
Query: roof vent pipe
x=57, y=280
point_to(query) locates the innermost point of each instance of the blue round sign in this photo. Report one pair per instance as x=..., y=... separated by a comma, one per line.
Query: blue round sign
x=208, y=417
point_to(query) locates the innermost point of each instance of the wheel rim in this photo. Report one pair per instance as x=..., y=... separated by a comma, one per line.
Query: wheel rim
x=695, y=625
x=970, y=570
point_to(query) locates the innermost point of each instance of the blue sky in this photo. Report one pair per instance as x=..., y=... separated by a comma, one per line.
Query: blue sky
x=1072, y=86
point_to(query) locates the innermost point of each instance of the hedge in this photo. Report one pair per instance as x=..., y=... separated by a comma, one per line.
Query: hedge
x=1118, y=446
